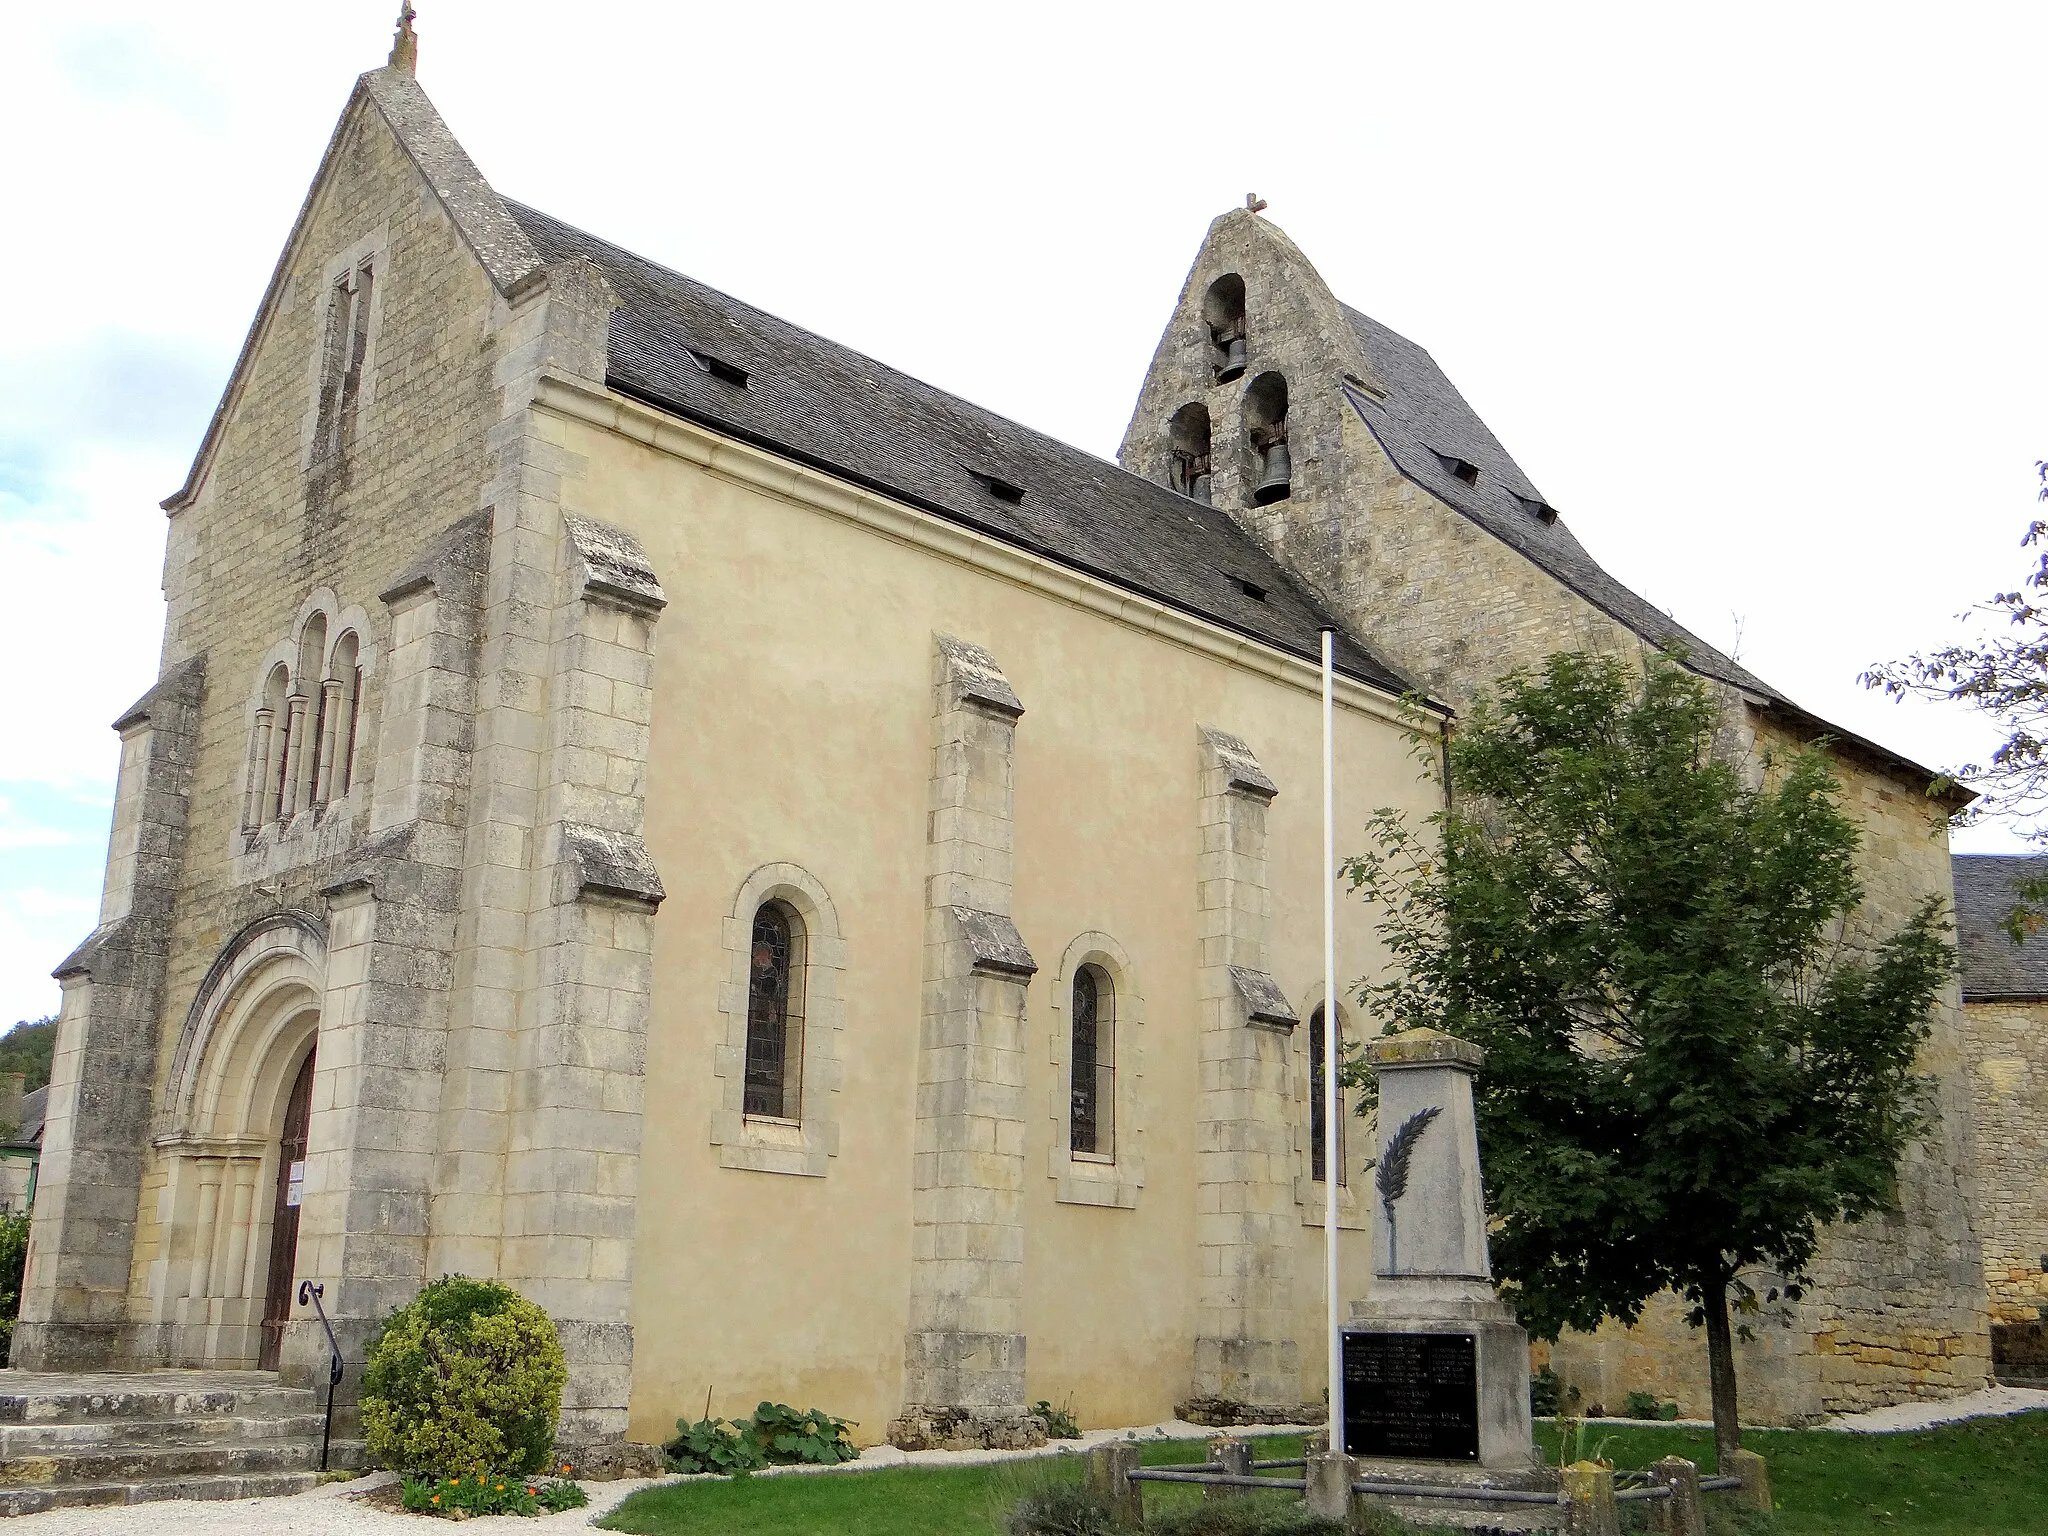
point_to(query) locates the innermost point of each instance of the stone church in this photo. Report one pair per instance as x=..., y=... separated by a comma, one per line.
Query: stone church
x=813, y=882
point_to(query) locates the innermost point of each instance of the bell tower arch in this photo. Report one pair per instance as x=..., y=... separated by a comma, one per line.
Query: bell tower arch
x=1259, y=348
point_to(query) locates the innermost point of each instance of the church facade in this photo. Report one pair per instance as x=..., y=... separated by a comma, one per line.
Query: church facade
x=814, y=883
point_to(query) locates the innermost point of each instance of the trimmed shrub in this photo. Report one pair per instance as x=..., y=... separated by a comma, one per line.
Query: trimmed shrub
x=467, y=1377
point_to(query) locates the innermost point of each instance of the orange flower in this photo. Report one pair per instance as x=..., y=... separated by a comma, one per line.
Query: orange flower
x=565, y=1469
x=435, y=1499
x=530, y=1492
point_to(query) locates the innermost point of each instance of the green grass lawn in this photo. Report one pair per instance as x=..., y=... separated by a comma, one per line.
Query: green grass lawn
x=1988, y=1477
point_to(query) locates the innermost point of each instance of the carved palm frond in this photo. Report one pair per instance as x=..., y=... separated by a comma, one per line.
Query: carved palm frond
x=1397, y=1154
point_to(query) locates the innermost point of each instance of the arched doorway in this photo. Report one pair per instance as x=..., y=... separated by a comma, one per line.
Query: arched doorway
x=284, y=1214
x=233, y=1147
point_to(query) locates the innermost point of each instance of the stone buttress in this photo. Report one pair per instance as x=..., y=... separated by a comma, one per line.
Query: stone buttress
x=964, y=1353
x=74, y=1303
x=1246, y=1357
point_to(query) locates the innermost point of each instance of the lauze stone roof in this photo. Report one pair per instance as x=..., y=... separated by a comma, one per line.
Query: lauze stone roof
x=1994, y=968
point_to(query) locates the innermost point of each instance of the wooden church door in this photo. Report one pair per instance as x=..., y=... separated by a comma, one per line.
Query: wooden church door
x=284, y=1218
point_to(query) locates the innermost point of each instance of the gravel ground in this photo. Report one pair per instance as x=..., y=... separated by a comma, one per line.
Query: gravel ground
x=1992, y=1402
x=331, y=1511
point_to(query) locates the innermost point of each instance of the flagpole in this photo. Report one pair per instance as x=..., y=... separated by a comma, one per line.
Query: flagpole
x=1332, y=1099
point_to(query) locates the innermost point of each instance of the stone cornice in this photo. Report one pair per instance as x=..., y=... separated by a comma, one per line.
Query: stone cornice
x=763, y=471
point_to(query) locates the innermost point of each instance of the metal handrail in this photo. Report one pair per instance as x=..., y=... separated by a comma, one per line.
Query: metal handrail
x=309, y=1295
x=1719, y=1484
x=1648, y=1491
x=1471, y=1495
x=1215, y=1479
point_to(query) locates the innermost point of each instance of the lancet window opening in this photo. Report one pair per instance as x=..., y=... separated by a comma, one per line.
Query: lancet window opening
x=347, y=350
x=1189, y=439
x=1316, y=1128
x=1223, y=314
x=1091, y=1130
x=1265, y=433
x=775, y=1014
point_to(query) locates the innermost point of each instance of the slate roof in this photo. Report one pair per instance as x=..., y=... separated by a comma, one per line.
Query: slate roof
x=1994, y=967
x=1423, y=416
x=34, y=1105
x=827, y=406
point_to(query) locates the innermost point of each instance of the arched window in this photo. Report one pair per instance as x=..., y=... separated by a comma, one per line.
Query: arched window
x=1188, y=432
x=340, y=703
x=277, y=695
x=1315, y=1103
x=266, y=747
x=1223, y=313
x=775, y=1014
x=1265, y=431
x=302, y=737
x=1091, y=1130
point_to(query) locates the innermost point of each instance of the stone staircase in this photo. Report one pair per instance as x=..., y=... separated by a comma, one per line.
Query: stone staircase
x=107, y=1438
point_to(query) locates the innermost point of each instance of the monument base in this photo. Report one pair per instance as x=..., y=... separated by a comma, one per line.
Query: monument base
x=1437, y=1374
x=1465, y=1514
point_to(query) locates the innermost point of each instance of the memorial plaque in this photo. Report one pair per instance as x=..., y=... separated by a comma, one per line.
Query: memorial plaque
x=1411, y=1396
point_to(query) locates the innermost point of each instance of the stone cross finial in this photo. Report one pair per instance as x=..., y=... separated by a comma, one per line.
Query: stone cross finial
x=1254, y=203
x=405, y=47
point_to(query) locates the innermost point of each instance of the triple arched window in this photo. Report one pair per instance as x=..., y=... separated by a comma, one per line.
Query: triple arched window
x=775, y=1014
x=303, y=735
x=1091, y=1125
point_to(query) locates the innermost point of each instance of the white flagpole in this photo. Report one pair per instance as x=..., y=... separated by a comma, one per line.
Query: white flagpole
x=1333, y=1101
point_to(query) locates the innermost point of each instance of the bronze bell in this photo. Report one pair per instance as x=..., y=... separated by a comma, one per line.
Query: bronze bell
x=1273, y=483
x=1233, y=360
x=1199, y=489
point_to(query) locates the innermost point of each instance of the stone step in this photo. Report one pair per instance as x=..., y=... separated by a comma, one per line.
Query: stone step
x=123, y=1463
x=38, y=1398
x=29, y=1501
x=18, y=1441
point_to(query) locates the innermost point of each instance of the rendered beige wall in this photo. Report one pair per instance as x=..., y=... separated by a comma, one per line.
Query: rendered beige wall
x=792, y=723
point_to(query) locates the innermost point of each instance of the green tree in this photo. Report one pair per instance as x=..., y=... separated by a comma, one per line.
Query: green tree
x=2004, y=674
x=27, y=1049
x=1696, y=1058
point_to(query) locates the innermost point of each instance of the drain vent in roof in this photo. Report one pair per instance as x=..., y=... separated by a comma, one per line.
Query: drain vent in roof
x=1002, y=490
x=1252, y=590
x=1461, y=469
x=1542, y=509
x=721, y=370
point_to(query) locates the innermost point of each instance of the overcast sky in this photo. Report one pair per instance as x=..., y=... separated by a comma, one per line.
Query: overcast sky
x=1754, y=293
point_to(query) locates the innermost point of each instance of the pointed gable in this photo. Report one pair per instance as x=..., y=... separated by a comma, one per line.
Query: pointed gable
x=475, y=210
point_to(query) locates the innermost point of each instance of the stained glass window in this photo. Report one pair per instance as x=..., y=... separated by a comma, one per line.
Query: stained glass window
x=1092, y=1119
x=775, y=1014
x=1315, y=1105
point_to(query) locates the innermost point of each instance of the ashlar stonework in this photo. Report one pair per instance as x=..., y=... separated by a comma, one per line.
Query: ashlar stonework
x=538, y=617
